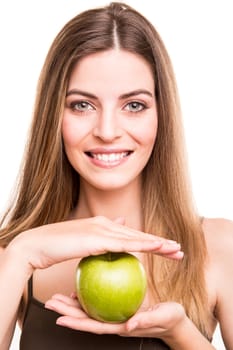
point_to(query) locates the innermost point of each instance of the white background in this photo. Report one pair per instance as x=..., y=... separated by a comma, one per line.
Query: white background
x=198, y=35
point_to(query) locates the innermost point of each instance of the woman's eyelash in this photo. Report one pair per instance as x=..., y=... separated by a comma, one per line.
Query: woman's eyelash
x=135, y=106
x=80, y=106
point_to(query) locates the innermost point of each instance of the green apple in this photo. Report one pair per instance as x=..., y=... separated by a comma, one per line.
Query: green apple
x=111, y=287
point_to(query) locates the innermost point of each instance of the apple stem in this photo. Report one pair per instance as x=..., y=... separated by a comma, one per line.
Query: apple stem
x=109, y=256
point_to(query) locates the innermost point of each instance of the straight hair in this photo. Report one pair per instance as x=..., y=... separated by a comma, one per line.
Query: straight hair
x=48, y=186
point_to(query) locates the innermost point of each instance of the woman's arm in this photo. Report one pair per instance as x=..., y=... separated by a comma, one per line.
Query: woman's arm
x=186, y=336
x=47, y=245
x=14, y=273
x=166, y=320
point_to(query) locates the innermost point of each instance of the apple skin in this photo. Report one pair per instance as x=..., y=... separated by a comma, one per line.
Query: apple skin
x=111, y=287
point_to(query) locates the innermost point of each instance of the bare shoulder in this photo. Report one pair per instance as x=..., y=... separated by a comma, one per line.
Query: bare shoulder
x=219, y=240
x=219, y=235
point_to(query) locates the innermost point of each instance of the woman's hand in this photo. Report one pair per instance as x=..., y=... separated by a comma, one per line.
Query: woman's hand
x=50, y=244
x=166, y=321
x=158, y=321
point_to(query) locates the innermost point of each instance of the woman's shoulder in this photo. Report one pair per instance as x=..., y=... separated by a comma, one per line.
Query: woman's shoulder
x=219, y=240
x=218, y=232
x=218, y=229
x=217, y=225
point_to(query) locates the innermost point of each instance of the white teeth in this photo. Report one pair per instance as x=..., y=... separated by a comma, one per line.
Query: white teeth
x=109, y=157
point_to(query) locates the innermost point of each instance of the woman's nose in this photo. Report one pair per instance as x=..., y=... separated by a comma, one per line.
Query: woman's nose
x=107, y=127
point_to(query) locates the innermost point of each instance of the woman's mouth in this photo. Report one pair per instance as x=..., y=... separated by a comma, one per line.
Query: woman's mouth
x=108, y=159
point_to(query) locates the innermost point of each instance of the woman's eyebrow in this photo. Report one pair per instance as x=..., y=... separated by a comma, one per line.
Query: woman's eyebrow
x=81, y=92
x=135, y=93
x=121, y=97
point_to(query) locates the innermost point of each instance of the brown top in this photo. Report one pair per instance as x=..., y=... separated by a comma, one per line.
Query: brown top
x=40, y=332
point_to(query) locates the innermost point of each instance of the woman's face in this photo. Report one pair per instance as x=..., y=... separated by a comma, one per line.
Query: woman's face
x=110, y=120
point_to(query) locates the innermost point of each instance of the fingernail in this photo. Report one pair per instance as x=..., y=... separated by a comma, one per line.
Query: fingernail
x=48, y=306
x=171, y=241
x=60, y=322
x=73, y=295
x=180, y=254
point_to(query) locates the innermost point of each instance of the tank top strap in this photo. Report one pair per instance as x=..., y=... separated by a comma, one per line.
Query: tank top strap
x=30, y=288
x=29, y=297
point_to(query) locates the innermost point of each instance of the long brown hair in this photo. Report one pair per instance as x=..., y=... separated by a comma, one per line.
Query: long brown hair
x=48, y=188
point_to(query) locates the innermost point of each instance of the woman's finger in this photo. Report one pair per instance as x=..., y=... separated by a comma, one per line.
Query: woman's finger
x=65, y=306
x=90, y=325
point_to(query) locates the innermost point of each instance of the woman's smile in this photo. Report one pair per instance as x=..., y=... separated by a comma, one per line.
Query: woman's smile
x=108, y=158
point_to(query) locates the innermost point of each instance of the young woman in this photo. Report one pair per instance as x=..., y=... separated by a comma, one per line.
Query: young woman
x=104, y=170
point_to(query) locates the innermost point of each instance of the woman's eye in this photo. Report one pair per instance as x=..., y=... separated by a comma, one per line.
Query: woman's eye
x=81, y=106
x=135, y=106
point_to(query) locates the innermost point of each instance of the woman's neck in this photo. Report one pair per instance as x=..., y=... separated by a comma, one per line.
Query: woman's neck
x=124, y=202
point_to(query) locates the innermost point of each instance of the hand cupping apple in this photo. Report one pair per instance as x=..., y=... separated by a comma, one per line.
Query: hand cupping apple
x=111, y=287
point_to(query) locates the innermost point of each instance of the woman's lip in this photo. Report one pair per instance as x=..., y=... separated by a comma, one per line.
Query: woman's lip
x=107, y=150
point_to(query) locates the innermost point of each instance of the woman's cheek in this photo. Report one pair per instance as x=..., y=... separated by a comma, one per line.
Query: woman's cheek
x=70, y=131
